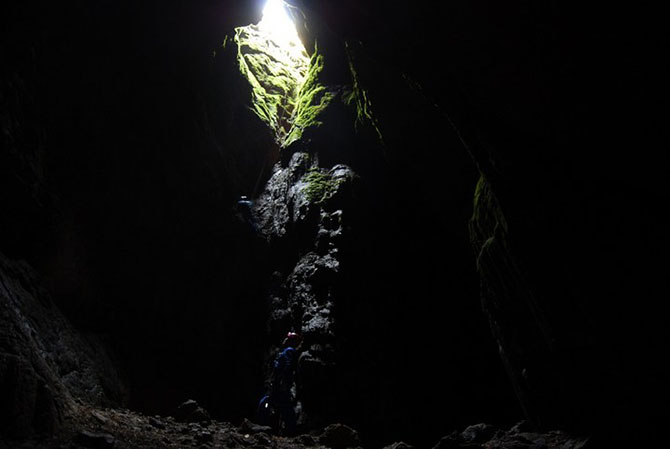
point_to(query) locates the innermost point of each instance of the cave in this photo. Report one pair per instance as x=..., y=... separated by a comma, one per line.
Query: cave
x=457, y=205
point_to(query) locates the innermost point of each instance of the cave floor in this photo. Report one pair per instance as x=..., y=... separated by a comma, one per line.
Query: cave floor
x=97, y=428
x=91, y=427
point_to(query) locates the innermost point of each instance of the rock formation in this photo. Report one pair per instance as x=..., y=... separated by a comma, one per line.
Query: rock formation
x=45, y=364
x=459, y=204
x=334, y=217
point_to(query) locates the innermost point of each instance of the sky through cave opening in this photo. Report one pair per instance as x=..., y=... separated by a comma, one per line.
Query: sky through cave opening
x=274, y=60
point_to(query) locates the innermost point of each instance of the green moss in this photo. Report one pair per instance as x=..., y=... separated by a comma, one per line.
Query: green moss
x=275, y=79
x=291, y=100
x=313, y=98
x=488, y=219
x=359, y=98
x=320, y=185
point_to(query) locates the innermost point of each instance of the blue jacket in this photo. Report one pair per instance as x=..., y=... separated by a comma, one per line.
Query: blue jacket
x=283, y=373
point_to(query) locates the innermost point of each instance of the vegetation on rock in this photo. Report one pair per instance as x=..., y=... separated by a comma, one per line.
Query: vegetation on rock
x=320, y=185
x=312, y=100
x=275, y=76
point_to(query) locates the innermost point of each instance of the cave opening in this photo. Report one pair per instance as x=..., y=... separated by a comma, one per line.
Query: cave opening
x=339, y=276
x=274, y=60
x=424, y=267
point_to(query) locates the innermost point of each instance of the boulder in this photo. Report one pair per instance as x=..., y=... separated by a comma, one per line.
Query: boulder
x=191, y=412
x=339, y=436
x=251, y=427
x=478, y=433
x=399, y=445
x=95, y=440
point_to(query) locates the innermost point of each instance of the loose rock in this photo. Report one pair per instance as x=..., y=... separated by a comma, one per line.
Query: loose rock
x=95, y=440
x=191, y=412
x=478, y=433
x=399, y=445
x=250, y=427
x=339, y=436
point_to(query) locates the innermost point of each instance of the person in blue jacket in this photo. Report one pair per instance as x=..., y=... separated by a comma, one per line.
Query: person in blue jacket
x=280, y=397
x=245, y=212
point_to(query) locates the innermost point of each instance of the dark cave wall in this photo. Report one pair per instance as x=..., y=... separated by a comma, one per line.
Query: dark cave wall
x=115, y=190
x=576, y=357
x=375, y=270
x=576, y=234
x=550, y=100
x=117, y=185
x=46, y=366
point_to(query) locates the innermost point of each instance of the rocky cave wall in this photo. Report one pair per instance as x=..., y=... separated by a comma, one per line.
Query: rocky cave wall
x=565, y=227
x=123, y=153
x=46, y=366
x=347, y=213
x=115, y=191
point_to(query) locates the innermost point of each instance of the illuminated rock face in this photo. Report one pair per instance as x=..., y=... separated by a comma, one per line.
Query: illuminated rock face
x=342, y=236
x=260, y=71
x=305, y=214
x=274, y=61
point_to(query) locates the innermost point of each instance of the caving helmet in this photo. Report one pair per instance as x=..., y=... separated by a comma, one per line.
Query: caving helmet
x=293, y=339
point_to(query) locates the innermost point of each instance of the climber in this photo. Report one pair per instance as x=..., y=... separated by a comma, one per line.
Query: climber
x=281, y=397
x=245, y=211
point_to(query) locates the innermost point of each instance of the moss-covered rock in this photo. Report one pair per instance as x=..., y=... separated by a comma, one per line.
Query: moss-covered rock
x=311, y=102
x=275, y=74
x=359, y=97
x=247, y=144
x=290, y=93
x=320, y=185
x=526, y=340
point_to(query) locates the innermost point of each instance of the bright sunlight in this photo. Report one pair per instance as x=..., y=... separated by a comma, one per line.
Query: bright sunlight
x=277, y=23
